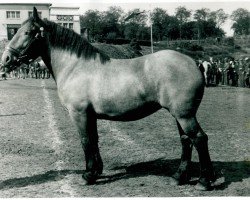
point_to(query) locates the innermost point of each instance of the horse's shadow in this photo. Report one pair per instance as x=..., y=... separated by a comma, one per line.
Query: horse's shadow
x=231, y=171
x=227, y=171
x=53, y=175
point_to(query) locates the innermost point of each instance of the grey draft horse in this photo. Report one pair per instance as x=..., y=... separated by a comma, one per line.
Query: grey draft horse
x=93, y=86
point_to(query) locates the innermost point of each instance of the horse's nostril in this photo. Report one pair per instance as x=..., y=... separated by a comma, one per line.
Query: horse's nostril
x=7, y=59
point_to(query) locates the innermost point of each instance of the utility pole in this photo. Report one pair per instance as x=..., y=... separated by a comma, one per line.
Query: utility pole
x=151, y=30
x=151, y=36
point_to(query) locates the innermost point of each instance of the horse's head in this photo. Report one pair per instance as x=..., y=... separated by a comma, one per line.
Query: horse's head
x=28, y=43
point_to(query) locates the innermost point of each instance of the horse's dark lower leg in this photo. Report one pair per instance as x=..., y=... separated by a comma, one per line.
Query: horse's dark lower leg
x=86, y=124
x=182, y=175
x=200, y=140
x=94, y=164
x=206, y=169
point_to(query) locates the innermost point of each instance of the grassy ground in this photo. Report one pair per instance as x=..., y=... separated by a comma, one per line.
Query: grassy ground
x=41, y=155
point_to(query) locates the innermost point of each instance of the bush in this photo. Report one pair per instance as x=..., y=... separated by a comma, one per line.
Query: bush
x=135, y=45
x=144, y=42
x=188, y=46
x=195, y=47
x=237, y=47
x=111, y=36
x=229, y=41
x=117, y=51
x=117, y=41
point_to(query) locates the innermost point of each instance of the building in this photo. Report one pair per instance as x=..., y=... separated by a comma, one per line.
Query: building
x=13, y=14
x=67, y=17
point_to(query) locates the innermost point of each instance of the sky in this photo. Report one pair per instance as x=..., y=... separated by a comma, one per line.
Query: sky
x=169, y=5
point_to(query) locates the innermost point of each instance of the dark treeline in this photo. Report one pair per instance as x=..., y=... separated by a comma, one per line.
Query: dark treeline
x=184, y=24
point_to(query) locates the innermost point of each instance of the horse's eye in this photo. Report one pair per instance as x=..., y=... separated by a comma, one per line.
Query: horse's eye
x=27, y=33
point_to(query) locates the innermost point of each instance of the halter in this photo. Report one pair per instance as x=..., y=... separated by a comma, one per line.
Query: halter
x=21, y=55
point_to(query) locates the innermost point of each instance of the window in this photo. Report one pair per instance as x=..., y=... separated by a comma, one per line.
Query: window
x=18, y=14
x=70, y=25
x=8, y=14
x=66, y=25
x=31, y=13
x=13, y=14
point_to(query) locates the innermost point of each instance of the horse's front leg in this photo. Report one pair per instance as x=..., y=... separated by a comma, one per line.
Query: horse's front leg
x=86, y=123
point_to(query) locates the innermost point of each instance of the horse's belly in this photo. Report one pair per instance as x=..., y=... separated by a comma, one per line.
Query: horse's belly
x=129, y=114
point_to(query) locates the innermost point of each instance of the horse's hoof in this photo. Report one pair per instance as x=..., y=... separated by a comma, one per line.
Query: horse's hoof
x=84, y=182
x=203, y=186
x=173, y=181
x=179, y=180
x=218, y=182
x=89, y=179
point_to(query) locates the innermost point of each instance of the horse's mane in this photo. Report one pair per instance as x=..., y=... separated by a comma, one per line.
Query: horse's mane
x=69, y=40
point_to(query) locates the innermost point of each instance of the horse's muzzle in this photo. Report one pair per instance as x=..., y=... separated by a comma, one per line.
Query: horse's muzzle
x=9, y=61
x=8, y=58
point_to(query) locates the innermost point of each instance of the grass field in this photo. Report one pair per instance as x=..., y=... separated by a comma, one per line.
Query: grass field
x=41, y=155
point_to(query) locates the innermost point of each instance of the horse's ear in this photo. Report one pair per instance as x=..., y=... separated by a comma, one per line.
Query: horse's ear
x=35, y=14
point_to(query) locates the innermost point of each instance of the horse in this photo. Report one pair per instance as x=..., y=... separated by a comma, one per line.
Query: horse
x=93, y=86
x=208, y=73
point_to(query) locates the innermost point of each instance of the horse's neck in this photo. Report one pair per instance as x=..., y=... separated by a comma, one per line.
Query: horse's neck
x=63, y=63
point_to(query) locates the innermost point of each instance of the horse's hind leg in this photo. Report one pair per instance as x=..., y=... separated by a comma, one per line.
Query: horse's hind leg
x=182, y=175
x=86, y=123
x=199, y=139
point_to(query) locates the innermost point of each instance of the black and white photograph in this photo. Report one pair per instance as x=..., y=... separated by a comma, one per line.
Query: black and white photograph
x=123, y=98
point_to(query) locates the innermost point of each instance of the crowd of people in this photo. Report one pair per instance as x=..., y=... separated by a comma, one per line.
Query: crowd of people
x=35, y=69
x=232, y=72
x=216, y=72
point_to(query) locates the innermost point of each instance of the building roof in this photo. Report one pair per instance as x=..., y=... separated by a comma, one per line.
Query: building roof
x=49, y=4
x=60, y=10
x=65, y=7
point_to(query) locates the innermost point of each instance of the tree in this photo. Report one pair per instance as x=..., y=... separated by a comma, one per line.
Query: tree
x=188, y=30
x=182, y=14
x=241, y=18
x=219, y=17
x=136, y=16
x=159, y=17
x=111, y=20
x=92, y=21
x=200, y=16
x=135, y=25
x=172, y=28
